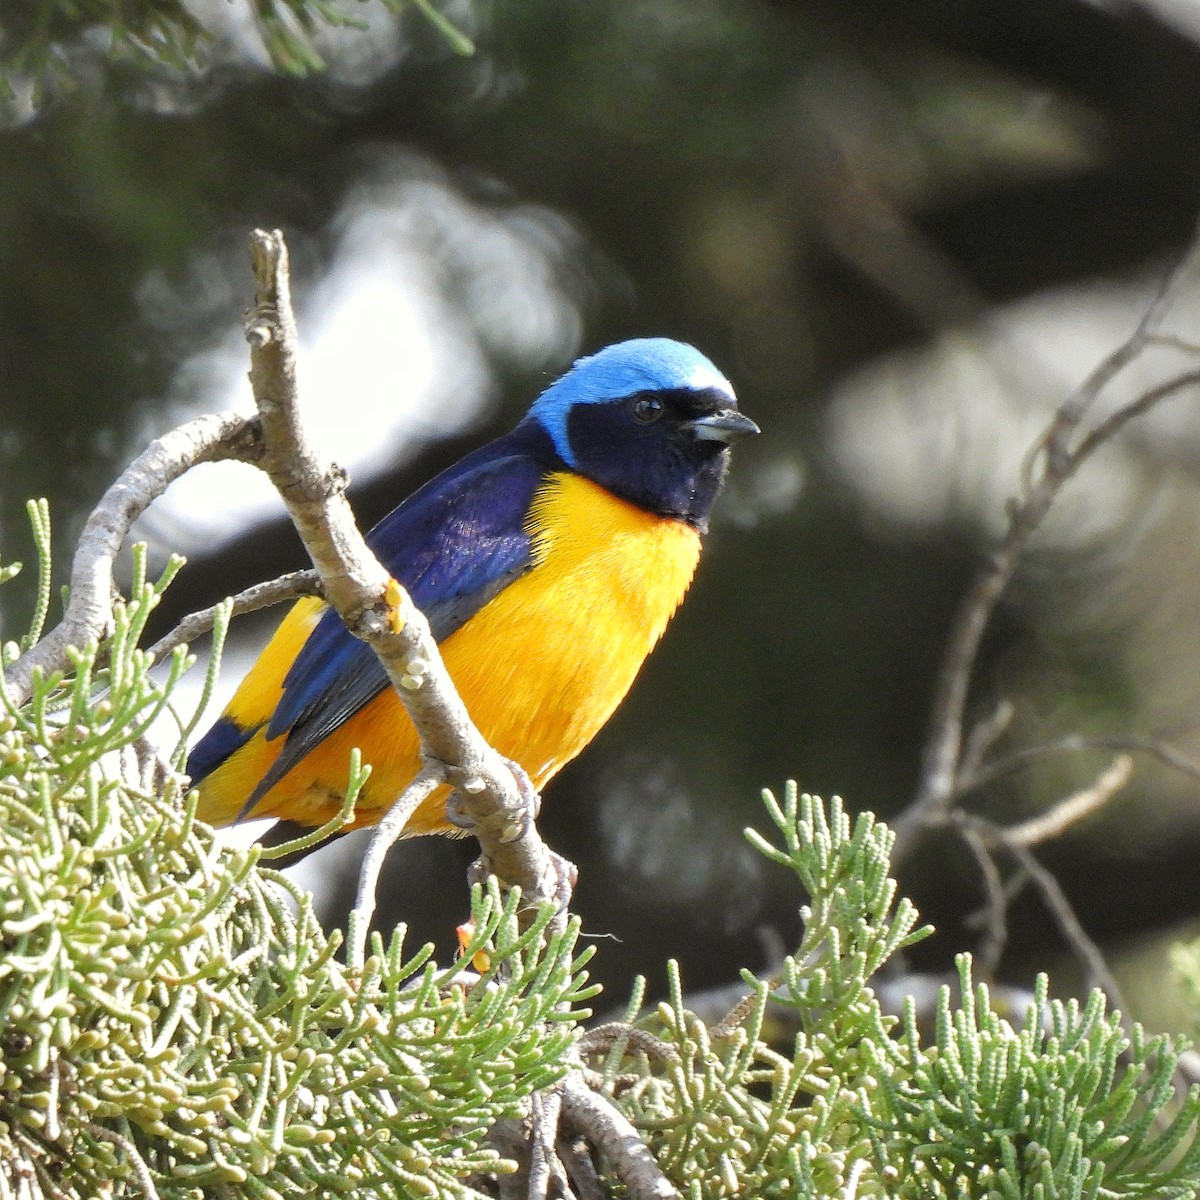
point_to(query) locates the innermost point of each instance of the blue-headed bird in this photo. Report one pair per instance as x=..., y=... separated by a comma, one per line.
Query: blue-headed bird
x=548, y=563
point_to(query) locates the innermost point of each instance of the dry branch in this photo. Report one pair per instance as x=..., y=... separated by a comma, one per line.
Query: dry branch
x=260, y=595
x=1062, y=449
x=615, y=1136
x=993, y=915
x=1075, y=808
x=1152, y=747
x=1060, y=907
x=210, y=438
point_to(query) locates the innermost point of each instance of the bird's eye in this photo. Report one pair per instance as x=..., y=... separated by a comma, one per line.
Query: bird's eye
x=646, y=408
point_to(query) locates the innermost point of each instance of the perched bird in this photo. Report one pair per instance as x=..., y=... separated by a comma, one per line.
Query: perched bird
x=548, y=563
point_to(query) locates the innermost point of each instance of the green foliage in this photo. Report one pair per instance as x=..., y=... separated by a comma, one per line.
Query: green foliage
x=173, y=1017
x=41, y=39
x=174, y=1021
x=1069, y=1105
x=1185, y=958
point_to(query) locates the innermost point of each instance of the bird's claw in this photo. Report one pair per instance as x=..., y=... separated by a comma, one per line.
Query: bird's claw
x=531, y=802
x=457, y=814
x=566, y=875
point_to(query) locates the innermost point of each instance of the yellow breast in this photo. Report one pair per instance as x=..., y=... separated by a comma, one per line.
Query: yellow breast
x=544, y=665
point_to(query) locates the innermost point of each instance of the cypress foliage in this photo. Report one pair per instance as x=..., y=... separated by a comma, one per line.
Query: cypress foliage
x=175, y=1023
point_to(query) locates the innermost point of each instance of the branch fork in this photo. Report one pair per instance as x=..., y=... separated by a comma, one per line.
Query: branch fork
x=1064, y=446
x=956, y=759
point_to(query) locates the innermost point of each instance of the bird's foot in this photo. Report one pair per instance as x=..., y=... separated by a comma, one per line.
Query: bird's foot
x=458, y=811
x=457, y=814
x=566, y=876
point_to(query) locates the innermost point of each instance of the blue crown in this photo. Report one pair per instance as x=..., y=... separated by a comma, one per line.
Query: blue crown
x=620, y=370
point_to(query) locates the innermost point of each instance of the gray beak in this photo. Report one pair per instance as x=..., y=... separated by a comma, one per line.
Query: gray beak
x=728, y=426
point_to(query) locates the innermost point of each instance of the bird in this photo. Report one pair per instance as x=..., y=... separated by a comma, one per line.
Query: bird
x=548, y=563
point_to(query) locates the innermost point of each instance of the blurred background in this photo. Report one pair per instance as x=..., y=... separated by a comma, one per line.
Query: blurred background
x=905, y=230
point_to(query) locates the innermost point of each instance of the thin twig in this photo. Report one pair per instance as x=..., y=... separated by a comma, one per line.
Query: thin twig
x=600, y=1039
x=376, y=609
x=984, y=736
x=1124, y=743
x=1116, y=421
x=383, y=838
x=994, y=913
x=1080, y=942
x=1172, y=341
x=1075, y=808
x=736, y=1017
x=89, y=615
x=1077, y=938
x=614, y=1135
x=261, y=595
x=545, y=1168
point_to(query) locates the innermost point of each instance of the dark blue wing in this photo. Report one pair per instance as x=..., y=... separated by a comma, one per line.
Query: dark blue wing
x=454, y=545
x=223, y=738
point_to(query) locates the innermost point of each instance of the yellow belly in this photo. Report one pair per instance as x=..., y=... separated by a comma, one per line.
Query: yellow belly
x=541, y=667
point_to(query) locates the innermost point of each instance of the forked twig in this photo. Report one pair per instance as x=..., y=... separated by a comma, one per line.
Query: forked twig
x=1055, y=899
x=260, y=595
x=615, y=1136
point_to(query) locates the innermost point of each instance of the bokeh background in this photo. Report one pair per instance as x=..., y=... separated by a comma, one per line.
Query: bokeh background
x=904, y=229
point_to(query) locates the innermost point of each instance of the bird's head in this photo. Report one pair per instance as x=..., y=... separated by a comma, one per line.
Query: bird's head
x=651, y=420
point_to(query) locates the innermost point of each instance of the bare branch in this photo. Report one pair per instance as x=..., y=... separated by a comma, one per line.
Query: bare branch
x=1077, y=938
x=1074, y=808
x=1148, y=333
x=994, y=913
x=1058, y=454
x=984, y=736
x=615, y=1136
x=601, y=1039
x=545, y=1167
x=983, y=838
x=374, y=607
x=89, y=614
x=387, y=832
x=261, y=595
x=1115, y=422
